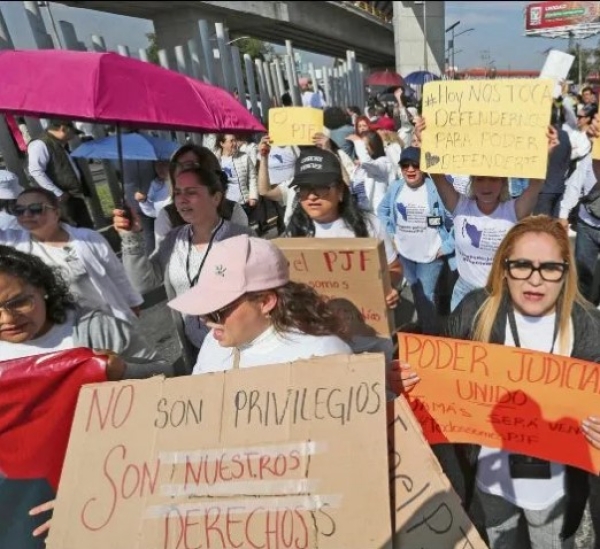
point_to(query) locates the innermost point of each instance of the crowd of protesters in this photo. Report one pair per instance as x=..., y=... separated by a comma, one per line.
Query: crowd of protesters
x=197, y=226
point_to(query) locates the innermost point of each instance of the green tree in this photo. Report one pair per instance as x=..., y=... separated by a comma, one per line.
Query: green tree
x=255, y=48
x=152, y=49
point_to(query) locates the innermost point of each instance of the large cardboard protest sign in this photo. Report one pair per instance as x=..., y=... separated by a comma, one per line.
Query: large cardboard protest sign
x=37, y=404
x=426, y=510
x=351, y=271
x=487, y=127
x=279, y=457
x=294, y=125
x=522, y=401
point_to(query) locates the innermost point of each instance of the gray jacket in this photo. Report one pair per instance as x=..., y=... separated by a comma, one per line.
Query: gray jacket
x=95, y=329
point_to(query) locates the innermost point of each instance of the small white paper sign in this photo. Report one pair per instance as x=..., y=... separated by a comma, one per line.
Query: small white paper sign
x=557, y=67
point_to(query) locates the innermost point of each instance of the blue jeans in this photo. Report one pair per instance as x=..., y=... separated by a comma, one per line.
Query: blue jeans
x=461, y=289
x=423, y=279
x=587, y=247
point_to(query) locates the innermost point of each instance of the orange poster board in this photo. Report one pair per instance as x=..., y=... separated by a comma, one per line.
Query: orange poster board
x=504, y=397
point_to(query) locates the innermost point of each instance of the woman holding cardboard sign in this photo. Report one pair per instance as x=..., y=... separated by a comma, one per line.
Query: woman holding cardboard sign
x=257, y=316
x=531, y=301
x=327, y=209
x=482, y=219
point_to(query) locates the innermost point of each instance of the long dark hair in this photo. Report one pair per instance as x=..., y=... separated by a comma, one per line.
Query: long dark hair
x=33, y=271
x=375, y=143
x=208, y=162
x=301, y=224
x=300, y=307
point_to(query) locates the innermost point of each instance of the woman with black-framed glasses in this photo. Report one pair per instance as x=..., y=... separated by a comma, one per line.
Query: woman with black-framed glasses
x=531, y=301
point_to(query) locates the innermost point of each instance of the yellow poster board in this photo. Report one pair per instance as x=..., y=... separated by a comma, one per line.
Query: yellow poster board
x=487, y=127
x=596, y=148
x=294, y=125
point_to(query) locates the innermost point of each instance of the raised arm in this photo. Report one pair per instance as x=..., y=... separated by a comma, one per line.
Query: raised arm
x=264, y=184
x=445, y=189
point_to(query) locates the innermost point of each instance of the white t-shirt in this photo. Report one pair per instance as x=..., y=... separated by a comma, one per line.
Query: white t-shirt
x=477, y=237
x=282, y=161
x=159, y=196
x=493, y=475
x=268, y=348
x=413, y=238
x=72, y=269
x=339, y=229
x=58, y=338
x=233, y=183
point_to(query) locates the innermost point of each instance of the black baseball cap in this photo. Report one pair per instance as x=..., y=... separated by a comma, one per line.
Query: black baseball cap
x=316, y=166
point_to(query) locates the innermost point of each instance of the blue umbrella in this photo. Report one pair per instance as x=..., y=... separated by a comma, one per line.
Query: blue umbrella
x=420, y=78
x=136, y=146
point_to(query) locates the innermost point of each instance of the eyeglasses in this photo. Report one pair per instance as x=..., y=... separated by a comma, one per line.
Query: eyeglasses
x=522, y=269
x=34, y=209
x=220, y=316
x=320, y=191
x=405, y=165
x=20, y=305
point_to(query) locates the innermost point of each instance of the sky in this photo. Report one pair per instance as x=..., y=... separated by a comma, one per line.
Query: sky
x=498, y=33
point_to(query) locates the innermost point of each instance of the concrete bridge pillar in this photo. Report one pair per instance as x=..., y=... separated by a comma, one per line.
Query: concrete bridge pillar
x=419, y=40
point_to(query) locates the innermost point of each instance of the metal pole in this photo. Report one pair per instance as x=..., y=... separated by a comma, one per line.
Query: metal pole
x=123, y=51
x=43, y=40
x=279, y=75
x=6, y=42
x=262, y=89
x=251, y=85
x=143, y=55
x=98, y=43
x=425, y=52
x=291, y=77
x=195, y=58
x=207, y=51
x=180, y=59
x=225, y=57
x=239, y=76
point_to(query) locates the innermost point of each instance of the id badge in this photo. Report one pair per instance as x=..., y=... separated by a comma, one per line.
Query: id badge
x=528, y=467
x=434, y=221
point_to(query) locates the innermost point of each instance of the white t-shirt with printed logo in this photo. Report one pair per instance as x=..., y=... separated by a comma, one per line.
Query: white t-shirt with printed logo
x=233, y=183
x=282, y=161
x=339, y=229
x=477, y=237
x=413, y=238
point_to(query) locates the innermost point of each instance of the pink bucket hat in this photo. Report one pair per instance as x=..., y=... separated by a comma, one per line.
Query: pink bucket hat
x=233, y=268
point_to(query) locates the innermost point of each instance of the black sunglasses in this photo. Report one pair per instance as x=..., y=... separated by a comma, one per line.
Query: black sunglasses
x=34, y=209
x=220, y=316
x=410, y=164
x=522, y=269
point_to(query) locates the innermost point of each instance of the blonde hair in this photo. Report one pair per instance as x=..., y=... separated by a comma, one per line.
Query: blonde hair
x=504, y=193
x=485, y=317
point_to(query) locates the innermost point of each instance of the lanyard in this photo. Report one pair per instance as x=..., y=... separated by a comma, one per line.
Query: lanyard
x=193, y=280
x=515, y=333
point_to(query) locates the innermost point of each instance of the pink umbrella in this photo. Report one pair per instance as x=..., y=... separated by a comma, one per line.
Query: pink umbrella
x=110, y=88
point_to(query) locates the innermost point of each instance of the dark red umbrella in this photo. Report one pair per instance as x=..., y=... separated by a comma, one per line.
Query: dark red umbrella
x=385, y=78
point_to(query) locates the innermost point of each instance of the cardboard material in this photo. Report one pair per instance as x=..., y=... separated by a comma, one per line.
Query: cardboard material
x=505, y=397
x=294, y=125
x=351, y=271
x=258, y=457
x=487, y=127
x=426, y=510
